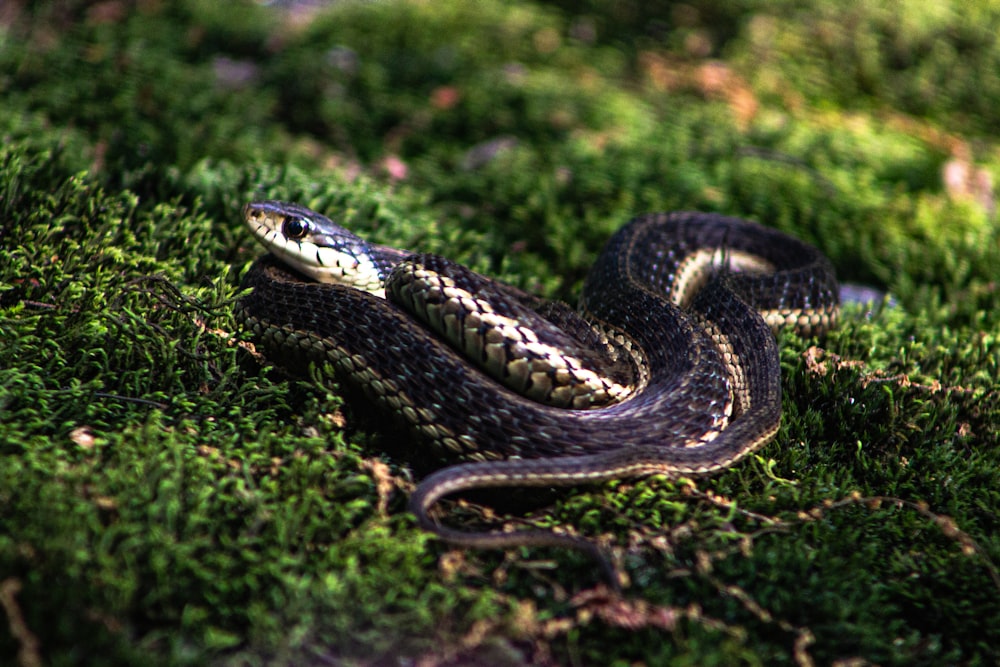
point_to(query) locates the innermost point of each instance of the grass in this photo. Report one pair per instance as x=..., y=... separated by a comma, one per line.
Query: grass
x=166, y=500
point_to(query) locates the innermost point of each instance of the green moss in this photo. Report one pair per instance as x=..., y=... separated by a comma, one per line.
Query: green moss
x=938, y=60
x=164, y=498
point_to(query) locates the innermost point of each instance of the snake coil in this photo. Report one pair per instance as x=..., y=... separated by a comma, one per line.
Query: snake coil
x=673, y=351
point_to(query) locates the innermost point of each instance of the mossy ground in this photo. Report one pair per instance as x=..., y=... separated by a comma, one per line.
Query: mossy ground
x=163, y=500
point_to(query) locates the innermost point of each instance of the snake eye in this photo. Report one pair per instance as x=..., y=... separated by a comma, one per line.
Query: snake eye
x=294, y=227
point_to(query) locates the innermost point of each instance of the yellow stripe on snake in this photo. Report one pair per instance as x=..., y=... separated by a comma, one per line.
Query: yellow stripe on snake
x=670, y=366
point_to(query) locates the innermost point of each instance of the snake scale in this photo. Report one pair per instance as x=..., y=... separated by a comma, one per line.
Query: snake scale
x=672, y=365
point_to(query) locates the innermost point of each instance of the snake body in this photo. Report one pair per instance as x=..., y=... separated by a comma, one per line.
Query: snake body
x=679, y=309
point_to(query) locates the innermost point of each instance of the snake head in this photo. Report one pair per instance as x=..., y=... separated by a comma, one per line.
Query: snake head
x=315, y=245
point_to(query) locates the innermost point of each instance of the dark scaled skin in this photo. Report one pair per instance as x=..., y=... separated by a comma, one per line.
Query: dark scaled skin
x=709, y=374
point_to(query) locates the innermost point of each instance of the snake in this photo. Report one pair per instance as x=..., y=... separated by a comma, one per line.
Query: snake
x=669, y=366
